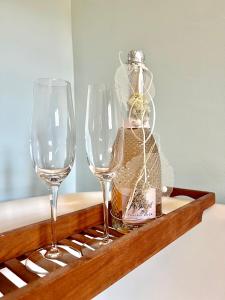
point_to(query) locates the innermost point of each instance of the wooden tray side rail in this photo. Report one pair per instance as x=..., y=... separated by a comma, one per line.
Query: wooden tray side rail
x=22, y=240
x=96, y=270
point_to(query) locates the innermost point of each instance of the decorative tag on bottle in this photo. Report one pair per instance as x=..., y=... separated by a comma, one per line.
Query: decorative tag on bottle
x=143, y=208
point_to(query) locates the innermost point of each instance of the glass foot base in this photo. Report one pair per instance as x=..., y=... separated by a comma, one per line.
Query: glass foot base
x=52, y=253
x=39, y=259
x=104, y=242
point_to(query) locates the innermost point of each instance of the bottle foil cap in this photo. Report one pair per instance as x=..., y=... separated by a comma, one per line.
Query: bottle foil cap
x=136, y=56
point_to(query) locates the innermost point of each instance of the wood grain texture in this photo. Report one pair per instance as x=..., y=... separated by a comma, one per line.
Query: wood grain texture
x=88, y=276
x=35, y=236
x=19, y=269
x=111, y=230
x=6, y=286
x=48, y=265
x=83, y=239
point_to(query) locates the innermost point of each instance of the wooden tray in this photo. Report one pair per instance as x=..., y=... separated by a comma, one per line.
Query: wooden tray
x=85, y=277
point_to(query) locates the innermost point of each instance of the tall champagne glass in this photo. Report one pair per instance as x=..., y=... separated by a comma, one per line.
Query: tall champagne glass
x=104, y=140
x=52, y=147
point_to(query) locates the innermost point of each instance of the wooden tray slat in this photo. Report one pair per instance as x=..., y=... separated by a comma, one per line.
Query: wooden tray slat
x=83, y=239
x=67, y=258
x=48, y=265
x=95, y=234
x=20, y=270
x=72, y=245
x=112, y=231
x=6, y=286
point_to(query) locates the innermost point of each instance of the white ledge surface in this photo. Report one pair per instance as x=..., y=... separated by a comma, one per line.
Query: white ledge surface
x=21, y=212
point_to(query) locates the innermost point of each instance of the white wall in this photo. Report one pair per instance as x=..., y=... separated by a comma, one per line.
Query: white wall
x=35, y=41
x=184, y=42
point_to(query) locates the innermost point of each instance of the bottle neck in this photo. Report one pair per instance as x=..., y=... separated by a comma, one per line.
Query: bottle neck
x=138, y=105
x=136, y=78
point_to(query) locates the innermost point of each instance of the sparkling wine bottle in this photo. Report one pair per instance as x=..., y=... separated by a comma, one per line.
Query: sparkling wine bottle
x=136, y=189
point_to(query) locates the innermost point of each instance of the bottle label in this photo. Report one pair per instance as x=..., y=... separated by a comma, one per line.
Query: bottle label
x=141, y=208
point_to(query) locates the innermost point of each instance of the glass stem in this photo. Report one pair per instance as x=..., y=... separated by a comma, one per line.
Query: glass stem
x=53, y=204
x=105, y=185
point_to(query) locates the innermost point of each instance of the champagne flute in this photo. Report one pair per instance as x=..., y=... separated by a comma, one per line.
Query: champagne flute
x=52, y=148
x=104, y=141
